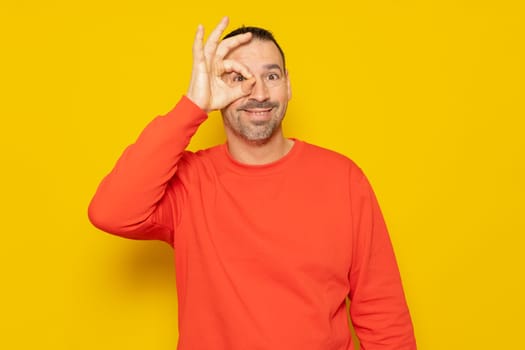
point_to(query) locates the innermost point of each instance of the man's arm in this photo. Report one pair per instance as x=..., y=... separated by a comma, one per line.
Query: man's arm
x=378, y=308
x=133, y=199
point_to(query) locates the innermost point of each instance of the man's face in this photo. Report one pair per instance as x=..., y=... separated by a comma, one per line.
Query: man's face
x=258, y=116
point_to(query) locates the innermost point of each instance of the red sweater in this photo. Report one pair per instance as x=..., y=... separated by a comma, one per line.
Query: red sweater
x=265, y=255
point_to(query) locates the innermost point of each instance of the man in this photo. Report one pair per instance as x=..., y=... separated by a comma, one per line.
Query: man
x=271, y=235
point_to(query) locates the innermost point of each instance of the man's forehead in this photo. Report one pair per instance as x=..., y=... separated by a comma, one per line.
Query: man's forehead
x=263, y=53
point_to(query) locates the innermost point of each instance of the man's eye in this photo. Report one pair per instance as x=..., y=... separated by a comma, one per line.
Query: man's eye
x=238, y=78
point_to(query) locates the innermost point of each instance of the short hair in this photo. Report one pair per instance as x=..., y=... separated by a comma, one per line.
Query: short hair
x=257, y=33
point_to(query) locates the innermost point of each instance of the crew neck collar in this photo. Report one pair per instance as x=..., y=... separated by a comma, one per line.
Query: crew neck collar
x=262, y=169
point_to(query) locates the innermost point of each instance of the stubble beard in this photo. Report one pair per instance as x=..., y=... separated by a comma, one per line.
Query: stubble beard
x=255, y=132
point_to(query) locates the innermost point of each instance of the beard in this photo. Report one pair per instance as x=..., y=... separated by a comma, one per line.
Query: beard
x=257, y=132
x=254, y=131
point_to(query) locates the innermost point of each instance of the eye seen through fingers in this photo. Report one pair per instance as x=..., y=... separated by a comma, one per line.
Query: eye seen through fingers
x=270, y=79
x=237, y=78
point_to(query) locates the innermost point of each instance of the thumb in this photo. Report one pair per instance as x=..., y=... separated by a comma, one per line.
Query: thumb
x=247, y=86
x=243, y=89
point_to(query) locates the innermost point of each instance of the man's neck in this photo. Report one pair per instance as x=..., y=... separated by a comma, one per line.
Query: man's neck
x=252, y=153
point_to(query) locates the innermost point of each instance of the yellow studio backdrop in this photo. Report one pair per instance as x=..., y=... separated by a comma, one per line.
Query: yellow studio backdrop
x=426, y=96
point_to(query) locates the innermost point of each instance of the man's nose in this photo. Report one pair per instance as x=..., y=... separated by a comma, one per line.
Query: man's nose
x=260, y=90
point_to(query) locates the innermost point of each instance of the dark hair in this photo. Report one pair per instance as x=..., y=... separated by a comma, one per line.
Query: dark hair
x=257, y=33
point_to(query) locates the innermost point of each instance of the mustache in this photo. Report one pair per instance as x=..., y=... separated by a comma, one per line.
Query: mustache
x=258, y=105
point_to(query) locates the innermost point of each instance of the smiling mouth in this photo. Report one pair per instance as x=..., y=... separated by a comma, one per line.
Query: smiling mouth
x=258, y=116
x=257, y=110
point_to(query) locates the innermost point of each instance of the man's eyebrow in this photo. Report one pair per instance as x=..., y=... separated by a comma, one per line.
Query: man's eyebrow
x=272, y=66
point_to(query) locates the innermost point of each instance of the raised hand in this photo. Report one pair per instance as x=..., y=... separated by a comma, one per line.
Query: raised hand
x=207, y=88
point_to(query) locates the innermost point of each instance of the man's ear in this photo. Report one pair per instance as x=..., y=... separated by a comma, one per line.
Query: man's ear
x=288, y=85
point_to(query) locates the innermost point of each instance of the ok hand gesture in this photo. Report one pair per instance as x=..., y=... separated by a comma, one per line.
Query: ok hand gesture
x=207, y=88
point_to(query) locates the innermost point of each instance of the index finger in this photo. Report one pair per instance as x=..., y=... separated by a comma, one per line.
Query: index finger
x=213, y=39
x=231, y=43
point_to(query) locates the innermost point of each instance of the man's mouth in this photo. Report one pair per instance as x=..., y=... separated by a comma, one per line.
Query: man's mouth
x=257, y=110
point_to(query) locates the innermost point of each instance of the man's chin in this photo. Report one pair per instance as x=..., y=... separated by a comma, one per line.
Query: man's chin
x=259, y=138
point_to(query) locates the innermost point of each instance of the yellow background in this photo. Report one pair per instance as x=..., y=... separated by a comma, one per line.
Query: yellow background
x=426, y=96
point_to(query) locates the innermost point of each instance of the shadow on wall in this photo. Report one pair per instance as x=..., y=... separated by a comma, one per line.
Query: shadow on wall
x=136, y=281
x=144, y=267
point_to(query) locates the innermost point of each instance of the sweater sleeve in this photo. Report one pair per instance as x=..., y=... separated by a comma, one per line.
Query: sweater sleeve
x=378, y=308
x=134, y=200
